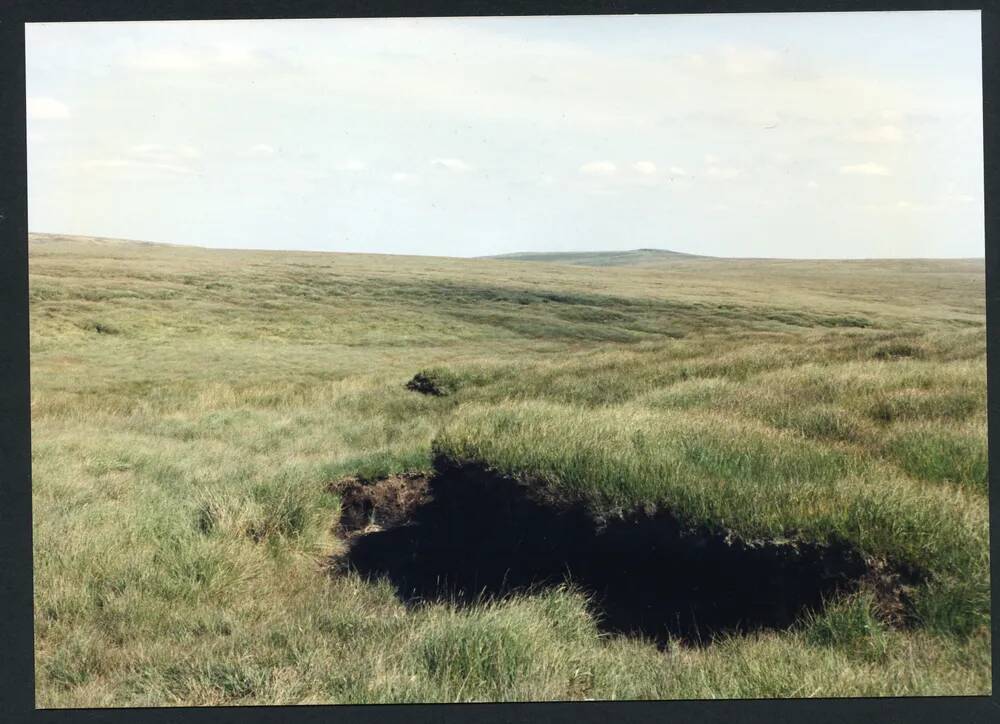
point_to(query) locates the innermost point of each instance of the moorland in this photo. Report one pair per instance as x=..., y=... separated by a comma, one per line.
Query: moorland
x=205, y=423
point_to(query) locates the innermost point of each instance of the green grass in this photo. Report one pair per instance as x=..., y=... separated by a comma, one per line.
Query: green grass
x=735, y=476
x=190, y=408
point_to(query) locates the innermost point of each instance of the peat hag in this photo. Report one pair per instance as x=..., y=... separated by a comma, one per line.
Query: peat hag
x=429, y=384
x=468, y=533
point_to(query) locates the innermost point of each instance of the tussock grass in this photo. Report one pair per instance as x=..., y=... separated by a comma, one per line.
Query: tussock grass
x=714, y=472
x=190, y=409
x=956, y=456
x=853, y=626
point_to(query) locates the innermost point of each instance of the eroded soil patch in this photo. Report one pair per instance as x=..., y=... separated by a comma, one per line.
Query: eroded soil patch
x=369, y=507
x=468, y=533
x=428, y=384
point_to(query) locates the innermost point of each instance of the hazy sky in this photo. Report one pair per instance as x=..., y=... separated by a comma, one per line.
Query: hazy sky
x=794, y=135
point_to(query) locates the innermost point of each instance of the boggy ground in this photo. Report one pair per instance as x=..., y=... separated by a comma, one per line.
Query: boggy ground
x=467, y=534
x=191, y=408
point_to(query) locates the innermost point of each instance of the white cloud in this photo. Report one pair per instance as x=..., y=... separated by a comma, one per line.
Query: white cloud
x=229, y=54
x=603, y=191
x=135, y=164
x=144, y=149
x=599, y=168
x=155, y=152
x=261, y=150
x=352, y=165
x=401, y=177
x=187, y=59
x=166, y=59
x=46, y=109
x=865, y=169
x=145, y=157
x=879, y=134
x=711, y=159
x=904, y=205
x=647, y=168
x=746, y=61
x=731, y=61
x=812, y=185
x=693, y=60
x=677, y=171
x=456, y=165
x=717, y=172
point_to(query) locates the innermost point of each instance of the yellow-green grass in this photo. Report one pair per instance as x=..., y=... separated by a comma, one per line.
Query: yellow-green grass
x=190, y=408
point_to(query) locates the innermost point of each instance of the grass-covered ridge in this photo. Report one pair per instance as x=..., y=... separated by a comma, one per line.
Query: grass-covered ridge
x=738, y=478
x=633, y=257
x=191, y=407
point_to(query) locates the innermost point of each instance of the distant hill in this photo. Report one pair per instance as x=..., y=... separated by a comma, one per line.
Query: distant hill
x=633, y=257
x=36, y=237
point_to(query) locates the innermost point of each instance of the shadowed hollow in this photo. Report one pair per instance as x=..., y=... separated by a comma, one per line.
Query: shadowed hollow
x=469, y=534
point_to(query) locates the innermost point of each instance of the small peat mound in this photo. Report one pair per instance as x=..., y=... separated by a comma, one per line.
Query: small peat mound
x=426, y=385
x=467, y=534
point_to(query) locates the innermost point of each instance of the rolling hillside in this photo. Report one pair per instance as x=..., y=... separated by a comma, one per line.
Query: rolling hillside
x=202, y=420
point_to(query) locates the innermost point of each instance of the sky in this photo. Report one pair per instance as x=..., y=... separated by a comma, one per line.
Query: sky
x=814, y=135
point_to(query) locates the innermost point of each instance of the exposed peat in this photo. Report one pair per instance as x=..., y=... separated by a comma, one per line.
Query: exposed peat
x=467, y=534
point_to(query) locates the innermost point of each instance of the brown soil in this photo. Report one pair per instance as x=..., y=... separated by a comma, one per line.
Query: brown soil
x=366, y=507
x=893, y=588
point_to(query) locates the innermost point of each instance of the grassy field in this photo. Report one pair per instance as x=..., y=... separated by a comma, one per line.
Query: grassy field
x=191, y=407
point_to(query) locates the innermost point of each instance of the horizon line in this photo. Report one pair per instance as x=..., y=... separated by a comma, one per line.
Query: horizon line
x=500, y=256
